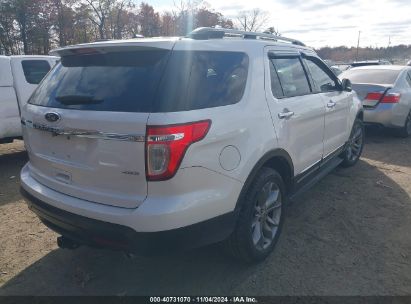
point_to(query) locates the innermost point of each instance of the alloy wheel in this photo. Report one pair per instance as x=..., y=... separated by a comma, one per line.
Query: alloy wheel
x=267, y=216
x=355, y=143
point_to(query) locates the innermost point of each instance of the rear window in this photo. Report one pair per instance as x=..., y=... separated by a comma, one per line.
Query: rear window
x=373, y=76
x=145, y=81
x=35, y=70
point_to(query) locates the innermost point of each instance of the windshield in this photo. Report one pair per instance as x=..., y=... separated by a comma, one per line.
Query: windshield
x=145, y=81
x=373, y=76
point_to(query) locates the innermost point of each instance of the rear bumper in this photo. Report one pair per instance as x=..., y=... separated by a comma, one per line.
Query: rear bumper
x=176, y=219
x=95, y=233
x=387, y=115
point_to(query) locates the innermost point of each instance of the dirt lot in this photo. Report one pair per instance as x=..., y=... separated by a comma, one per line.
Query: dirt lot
x=349, y=235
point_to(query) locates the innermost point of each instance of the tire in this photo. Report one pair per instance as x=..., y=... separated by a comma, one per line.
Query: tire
x=405, y=131
x=355, y=145
x=249, y=242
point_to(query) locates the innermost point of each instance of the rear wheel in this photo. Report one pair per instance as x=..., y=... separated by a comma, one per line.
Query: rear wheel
x=260, y=219
x=406, y=130
x=355, y=145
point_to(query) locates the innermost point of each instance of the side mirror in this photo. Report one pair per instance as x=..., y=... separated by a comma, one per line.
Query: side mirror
x=346, y=85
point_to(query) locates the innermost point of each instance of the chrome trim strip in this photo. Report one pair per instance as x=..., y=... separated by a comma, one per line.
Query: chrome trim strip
x=324, y=157
x=333, y=151
x=310, y=167
x=83, y=133
x=168, y=137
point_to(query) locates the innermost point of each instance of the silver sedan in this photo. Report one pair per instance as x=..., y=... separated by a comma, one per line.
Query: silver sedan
x=385, y=91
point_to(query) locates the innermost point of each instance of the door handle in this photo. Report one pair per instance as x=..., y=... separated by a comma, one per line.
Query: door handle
x=285, y=114
x=331, y=104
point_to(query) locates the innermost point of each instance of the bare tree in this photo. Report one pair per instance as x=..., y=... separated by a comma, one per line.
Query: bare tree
x=273, y=30
x=36, y=26
x=253, y=20
x=22, y=13
x=150, y=21
x=120, y=10
x=168, y=24
x=184, y=14
x=9, y=40
x=118, y=18
x=101, y=11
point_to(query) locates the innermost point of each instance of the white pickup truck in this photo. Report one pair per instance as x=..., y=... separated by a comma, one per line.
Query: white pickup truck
x=19, y=76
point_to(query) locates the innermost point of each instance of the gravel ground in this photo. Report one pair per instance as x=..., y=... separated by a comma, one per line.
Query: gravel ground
x=349, y=235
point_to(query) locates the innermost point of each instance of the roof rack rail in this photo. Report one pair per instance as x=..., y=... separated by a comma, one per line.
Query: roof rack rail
x=205, y=33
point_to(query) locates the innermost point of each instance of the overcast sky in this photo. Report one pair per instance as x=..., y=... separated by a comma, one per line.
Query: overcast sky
x=327, y=22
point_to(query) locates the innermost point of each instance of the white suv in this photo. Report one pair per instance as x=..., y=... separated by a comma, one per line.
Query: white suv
x=141, y=145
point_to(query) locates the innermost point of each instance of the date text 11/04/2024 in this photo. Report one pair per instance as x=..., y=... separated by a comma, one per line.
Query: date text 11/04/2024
x=203, y=300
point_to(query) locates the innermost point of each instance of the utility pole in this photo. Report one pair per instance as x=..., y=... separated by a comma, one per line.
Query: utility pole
x=388, y=48
x=358, y=45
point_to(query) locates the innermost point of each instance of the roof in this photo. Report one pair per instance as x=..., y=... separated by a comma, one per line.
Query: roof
x=382, y=67
x=371, y=61
x=169, y=42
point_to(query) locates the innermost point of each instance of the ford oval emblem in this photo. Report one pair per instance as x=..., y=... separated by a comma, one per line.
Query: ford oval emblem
x=52, y=117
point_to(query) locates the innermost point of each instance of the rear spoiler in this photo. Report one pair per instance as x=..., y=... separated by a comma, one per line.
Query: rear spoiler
x=114, y=46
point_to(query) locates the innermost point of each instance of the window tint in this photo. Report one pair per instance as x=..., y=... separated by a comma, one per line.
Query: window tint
x=292, y=76
x=122, y=82
x=145, y=81
x=35, y=70
x=202, y=79
x=374, y=76
x=322, y=79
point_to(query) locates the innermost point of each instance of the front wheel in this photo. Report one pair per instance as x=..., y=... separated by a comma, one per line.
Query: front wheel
x=260, y=219
x=355, y=145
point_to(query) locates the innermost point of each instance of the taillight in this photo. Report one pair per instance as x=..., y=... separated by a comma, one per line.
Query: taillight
x=391, y=98
x=166, y=146
x=387, y=98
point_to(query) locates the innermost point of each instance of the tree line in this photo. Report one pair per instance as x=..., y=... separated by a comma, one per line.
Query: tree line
x=37, y=26
x=396, y=54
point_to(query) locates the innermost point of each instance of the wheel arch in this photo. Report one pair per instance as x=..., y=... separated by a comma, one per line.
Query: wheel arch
x=277, y=159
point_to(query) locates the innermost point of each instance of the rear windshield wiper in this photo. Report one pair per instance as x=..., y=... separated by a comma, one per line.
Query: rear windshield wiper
x=77, y=99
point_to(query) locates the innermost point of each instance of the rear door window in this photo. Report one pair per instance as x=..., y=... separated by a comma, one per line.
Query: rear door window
x=275, y=82
x=35, y=70
x=145, y=81
x=323, y=80
x=292, y=77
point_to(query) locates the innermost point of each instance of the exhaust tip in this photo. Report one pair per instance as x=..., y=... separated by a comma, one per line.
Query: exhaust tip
x=66, y=243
